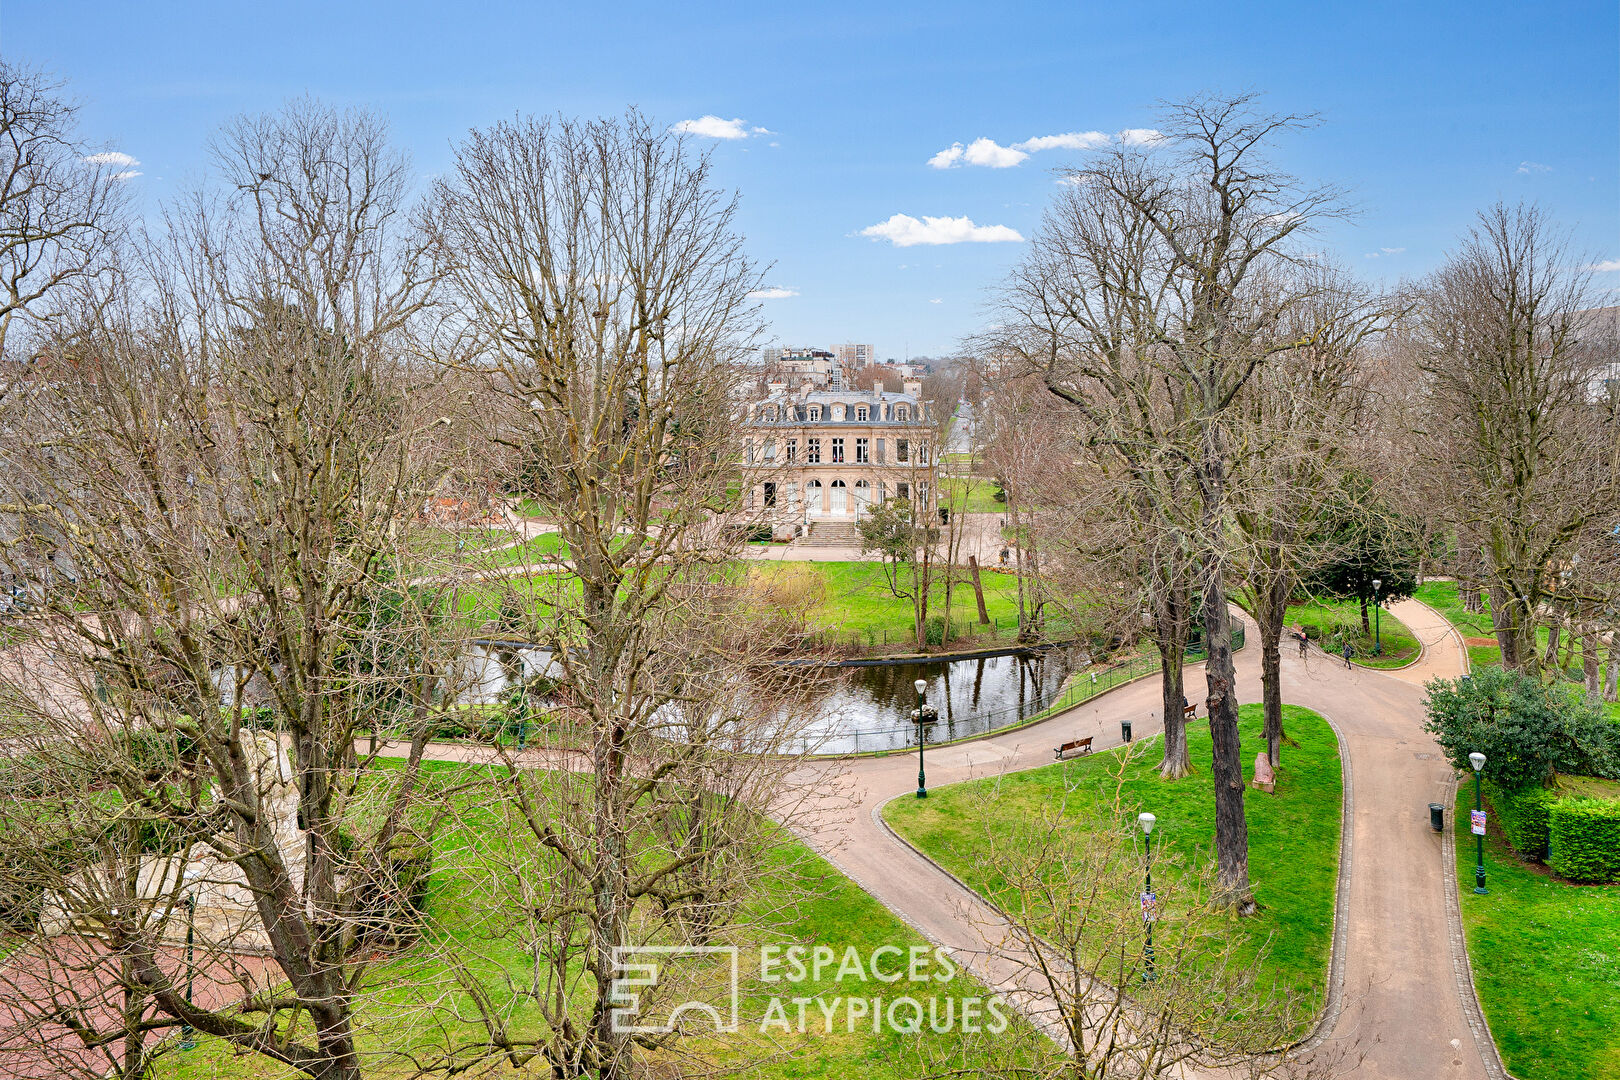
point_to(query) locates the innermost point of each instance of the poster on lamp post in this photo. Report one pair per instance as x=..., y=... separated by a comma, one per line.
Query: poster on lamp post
x=1476, y=822
x=1150, y=905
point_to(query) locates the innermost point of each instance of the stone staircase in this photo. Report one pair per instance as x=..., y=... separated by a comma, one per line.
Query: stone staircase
x=831, y=534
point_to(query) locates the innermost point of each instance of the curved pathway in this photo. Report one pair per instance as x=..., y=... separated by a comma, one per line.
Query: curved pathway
x=1405, y=1012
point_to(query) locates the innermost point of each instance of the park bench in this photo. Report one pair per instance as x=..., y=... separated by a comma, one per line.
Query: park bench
x=1189, y=712
x=1079, y=746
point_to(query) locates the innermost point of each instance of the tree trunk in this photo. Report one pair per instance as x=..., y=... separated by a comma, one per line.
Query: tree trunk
x=1270, y=612
x=1366, y=625
x=1176, y=761
x=1554, y=632
x=1590, y=656
x=978, y=590
x=1220, y=677
x=1515, y=630
x=1611, y=685
x=1171, y=623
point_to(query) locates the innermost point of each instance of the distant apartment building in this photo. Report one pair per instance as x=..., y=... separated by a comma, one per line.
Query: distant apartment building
x=797, y=365
x=827, y=455
x=856, y=356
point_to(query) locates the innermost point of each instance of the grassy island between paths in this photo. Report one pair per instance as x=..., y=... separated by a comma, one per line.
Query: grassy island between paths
x=1331, y=622
x=1293, y=833
x=1546, y=960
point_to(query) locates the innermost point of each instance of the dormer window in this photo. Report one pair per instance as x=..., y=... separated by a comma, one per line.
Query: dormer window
x=901, y=412
x=815, y=412
x=860, y=413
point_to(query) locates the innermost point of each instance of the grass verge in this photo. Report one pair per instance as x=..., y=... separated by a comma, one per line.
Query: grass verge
x=1337, y=621
x=1293, y=833
x=1546, y=960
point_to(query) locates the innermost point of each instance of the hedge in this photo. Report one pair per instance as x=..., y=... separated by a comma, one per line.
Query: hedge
x=1523, y=815
x=1584, y=840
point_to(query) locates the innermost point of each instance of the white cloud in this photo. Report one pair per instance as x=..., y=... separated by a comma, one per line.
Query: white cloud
x=988, y=153
x=937, y=300
x=772, y=292
x=1139, y=136
x=127, y=174
x=112, y=157
x=1607, y=266
x=713, y=127
x=985, y=152
x=1073, y=140
x=1527, y=167
x=1392, y=251
x=903, y=230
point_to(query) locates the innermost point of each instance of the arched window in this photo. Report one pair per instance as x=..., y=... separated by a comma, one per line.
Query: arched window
x=812, y=496
x=901, y=412
x=863, y=494
x=860, y=412
x=840, y=498
x=815, y=412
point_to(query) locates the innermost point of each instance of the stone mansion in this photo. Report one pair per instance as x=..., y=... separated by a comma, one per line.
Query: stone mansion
x=824, y=456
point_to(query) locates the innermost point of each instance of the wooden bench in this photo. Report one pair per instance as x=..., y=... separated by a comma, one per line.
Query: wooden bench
x=1079, y=746
x=1189, y=712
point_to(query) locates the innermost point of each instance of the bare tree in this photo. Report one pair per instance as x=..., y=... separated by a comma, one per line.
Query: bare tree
x=1520, y=431
x=1150, y=298
x=228, y=469
x=61, y=206
x=1299, y=419
x=599, y=281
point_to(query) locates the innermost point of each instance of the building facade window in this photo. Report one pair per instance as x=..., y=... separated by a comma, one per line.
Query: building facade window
x=901, y=412
x=815, y=412
x=812, y=451
x=902, y=450
x=860, y=413
x=902, y=491
x=881, y=458
x=863, y=451
x=837, y=451
x=922, y=453
x=793, y=450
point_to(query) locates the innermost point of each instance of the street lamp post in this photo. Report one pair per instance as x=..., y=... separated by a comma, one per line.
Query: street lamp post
x=1477, y=760
x=1378, y=637
x=188, y=1035
x=922, y=780
x=1149, y=901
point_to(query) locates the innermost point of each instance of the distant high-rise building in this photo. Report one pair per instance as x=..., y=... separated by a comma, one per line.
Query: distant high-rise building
x=856, y=356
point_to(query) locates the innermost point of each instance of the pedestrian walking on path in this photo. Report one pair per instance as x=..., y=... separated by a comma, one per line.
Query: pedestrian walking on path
x=1304, y=640
x=1348, y=653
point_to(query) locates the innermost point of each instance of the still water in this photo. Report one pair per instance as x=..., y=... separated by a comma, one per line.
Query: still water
x=869, y=708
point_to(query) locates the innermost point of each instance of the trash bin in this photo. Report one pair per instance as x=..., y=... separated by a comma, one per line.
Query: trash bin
x=1437, y=817
x=1125, y=729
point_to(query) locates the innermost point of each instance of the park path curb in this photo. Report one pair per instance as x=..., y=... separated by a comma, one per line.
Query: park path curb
x=1461, y=966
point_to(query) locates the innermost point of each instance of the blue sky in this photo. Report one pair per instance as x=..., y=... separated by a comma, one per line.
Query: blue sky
x=1432, y=111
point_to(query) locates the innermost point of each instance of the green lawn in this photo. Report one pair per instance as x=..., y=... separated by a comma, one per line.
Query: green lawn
x=1293, y=834
x=1546, y=960
x=1335, y=621
x=970, y=495
x=858, y=606
x=800, y=899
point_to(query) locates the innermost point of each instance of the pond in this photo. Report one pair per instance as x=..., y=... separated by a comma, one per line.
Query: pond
x=869, y=707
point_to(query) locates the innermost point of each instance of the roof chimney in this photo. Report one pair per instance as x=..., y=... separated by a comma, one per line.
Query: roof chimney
x=877, y=388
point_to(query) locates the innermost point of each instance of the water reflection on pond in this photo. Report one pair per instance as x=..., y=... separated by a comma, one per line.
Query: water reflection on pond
x=869, y=707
